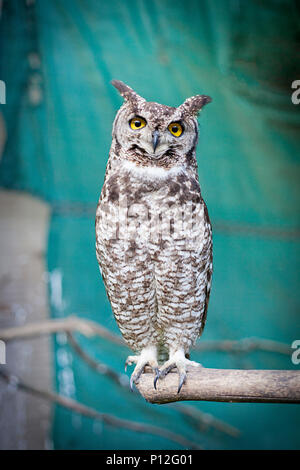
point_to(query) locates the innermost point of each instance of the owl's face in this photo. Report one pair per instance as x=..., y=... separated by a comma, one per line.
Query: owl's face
x=150, y=133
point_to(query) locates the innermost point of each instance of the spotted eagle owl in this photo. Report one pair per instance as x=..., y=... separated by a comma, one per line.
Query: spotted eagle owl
x=153, y=233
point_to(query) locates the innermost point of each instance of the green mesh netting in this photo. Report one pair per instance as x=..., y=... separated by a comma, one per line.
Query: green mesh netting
x=57, y=59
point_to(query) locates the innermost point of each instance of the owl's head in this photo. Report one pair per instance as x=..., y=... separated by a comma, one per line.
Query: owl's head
x=154, y=134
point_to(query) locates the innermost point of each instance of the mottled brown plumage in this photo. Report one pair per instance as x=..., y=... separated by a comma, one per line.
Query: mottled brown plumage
x=153, y=234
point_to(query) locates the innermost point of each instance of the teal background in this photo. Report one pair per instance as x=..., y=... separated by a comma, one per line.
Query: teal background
x=59, y=114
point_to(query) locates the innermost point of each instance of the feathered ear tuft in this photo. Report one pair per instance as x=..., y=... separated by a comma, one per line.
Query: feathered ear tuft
x=192, y=106
x=126, y=92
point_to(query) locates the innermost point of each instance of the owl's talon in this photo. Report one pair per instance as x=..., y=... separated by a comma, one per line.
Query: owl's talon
x=157, y=375
x=182, y=379
x=147, y=357
x=132, y=381
x=135, y=376
x=167, y=368
x=179, y=361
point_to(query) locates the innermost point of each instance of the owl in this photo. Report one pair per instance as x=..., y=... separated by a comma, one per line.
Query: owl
x=153, y=233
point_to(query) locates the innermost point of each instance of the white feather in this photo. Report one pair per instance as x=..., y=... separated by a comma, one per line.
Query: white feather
x=152, y=171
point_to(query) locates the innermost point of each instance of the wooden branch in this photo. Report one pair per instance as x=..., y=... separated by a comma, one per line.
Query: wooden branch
x=68, y=324
x=226, y=385
x=244, y=345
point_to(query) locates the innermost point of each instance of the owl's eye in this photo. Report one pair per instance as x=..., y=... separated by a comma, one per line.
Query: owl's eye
x=175, y=128
x=137, y=123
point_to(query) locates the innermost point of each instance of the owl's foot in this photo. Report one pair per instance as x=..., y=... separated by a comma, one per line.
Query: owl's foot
x=178, y=360
x=148, y=357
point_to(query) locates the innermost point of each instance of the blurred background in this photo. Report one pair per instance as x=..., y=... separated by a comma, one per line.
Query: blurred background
x=57, y=60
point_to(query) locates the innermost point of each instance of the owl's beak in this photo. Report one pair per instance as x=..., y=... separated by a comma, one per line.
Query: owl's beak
x=155, y=138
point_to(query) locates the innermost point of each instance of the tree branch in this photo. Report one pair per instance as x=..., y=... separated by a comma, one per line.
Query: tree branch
x=225, y=385
x=244, y=345
x=68, y=324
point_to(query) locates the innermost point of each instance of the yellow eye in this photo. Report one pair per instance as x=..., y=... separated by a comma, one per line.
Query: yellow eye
x=175, y=128
x=137, y=123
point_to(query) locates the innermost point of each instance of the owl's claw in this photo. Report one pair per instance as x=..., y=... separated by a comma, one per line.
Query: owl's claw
x=135, y=377
x=131, y=383
x=147, y=357
x=179, y=361
x=166, y=368
x=182, y=379
x=157, y=375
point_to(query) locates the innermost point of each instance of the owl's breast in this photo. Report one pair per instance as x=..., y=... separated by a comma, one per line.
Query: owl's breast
x=151, y=209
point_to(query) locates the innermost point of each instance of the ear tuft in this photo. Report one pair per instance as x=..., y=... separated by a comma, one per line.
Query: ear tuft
x=192, y=106
x=126, y=92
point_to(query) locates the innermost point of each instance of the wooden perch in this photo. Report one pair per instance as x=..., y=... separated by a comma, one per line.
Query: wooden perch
x=260, y=386
x=248, y=386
